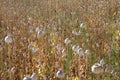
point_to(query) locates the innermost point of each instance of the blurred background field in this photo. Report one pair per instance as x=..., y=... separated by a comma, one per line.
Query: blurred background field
x=48, y=36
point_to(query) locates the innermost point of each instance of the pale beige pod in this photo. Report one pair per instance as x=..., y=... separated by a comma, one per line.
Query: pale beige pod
x=97, y=68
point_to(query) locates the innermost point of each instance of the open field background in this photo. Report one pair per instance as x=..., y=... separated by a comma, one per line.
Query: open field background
x=44, y=32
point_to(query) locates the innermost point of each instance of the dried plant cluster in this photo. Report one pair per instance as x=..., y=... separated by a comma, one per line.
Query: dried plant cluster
x=59, y=39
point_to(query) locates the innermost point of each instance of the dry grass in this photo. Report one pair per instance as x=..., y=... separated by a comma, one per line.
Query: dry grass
x=58, y=18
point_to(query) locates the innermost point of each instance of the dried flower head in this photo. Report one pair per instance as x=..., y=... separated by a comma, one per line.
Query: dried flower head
x=67, y=41
x=75, y=48
x=82, y=25
x=87, y=52
x=60, y=74
x=27, y=78
x=8, y=39
x=80, y=52
x=74, y=32
x=97, y=68
x=102, y=62
x=40, y=33
x=34, y=76
x=34, y=50
x=38, y=29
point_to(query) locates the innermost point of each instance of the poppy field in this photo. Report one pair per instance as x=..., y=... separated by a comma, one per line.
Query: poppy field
x=59, y=39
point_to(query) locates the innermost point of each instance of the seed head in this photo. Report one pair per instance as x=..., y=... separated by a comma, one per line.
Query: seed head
x=80, y=52
x=97, y=68
x=34, y=76
x=67, y=41
x=26, y=78
x=60, y=74
x=8, y=39
x=75, y=47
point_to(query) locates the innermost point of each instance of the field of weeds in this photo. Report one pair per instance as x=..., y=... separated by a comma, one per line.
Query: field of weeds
x=59, y=39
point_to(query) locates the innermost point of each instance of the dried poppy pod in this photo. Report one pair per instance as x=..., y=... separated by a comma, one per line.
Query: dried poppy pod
x=60, y=74
x=67, y=41
x=34, y=76
x=97, y=68
x=27, y=78
x=8, y=39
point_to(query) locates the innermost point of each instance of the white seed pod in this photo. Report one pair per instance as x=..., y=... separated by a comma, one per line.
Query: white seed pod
x=34, y=50
x=82, y=25
x=80, y=52
x=75, y=48
x=87, y=52
x=60, y=74
x=44, y=64
x=34, y=76
x=40, y=33
x=8, y=39
x=13, y=69
x=67, y=41
x=74, y=32
x=102, y=62
x=39, y=70
x=38, y=29
x=26, y=78
x=30, y=19
x=97, y=68
x=119, y=34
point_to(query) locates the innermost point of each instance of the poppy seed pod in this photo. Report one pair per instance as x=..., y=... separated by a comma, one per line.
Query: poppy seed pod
x=97, y=68
x=60, y=74
x=8, y=39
